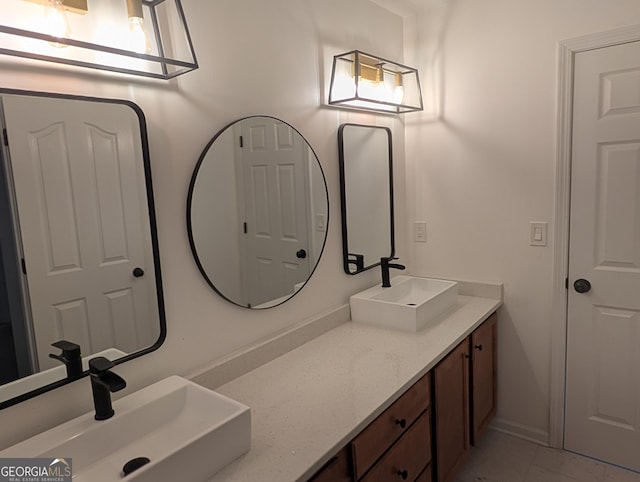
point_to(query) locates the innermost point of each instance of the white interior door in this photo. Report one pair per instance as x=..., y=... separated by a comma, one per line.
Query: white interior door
x=82, y=207
x=276, y=208
x=602, y=417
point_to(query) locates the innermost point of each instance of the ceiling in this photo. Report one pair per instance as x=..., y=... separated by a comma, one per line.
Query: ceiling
x=407, y=8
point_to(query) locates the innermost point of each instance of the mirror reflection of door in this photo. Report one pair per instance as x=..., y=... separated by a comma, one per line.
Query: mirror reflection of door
x=275, y=209
x=82, y=222
x=257, y=212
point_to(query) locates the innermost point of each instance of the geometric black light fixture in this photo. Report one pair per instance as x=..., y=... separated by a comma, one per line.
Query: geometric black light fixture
x=364, y=81
x=148, y=38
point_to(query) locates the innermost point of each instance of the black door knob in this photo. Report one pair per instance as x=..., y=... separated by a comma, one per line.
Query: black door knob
x=582, y=285
x=301, y=253
x=138, y=272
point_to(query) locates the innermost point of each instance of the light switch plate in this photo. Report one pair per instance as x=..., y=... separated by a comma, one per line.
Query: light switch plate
x=537, y=233
x=420, y=232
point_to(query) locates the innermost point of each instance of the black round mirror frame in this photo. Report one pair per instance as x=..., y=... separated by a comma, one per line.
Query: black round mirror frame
x=190, y=197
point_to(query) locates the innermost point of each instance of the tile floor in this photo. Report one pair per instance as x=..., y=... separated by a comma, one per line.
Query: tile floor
x=503, y=458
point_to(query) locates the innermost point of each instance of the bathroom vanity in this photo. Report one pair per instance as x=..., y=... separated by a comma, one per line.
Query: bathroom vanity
x=366, y=403
x=329, y=400
x=457, y=398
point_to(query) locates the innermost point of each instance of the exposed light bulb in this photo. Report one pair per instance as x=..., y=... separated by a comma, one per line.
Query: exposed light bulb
x=372, y=90
x=56, y=21
x=398, y=91
x=138, y=38
x=398, y=94
x=344, y=87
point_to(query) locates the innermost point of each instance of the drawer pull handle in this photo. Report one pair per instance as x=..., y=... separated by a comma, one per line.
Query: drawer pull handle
x=403, y=474
x=402, y=422
x=478, y=347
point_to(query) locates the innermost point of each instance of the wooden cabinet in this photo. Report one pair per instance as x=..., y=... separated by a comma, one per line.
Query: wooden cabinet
x=408, y=457
x=395, y=446
x=451, y=411
x=464, y=397
x=376, y=439
x=483, y=377
x=457, y=398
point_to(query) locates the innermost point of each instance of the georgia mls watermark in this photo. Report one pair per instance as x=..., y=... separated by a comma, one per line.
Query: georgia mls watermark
x=35, y=470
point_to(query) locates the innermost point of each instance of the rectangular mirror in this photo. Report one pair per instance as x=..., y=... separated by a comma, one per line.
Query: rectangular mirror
x=366, y=191
x=78, y=248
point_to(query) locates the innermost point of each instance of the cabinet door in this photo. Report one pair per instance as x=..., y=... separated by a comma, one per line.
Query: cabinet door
x=451, y=389
x=483, y=376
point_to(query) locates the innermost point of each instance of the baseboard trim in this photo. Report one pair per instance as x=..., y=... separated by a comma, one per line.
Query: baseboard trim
x=521, y=431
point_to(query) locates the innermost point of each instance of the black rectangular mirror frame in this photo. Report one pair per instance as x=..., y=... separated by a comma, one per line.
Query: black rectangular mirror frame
x=154, y=239
x=347, y=262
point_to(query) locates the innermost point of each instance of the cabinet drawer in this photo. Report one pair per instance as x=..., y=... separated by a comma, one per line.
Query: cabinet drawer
x=336, y=470
x=374, y=440
x=425, y=476
x=407, y=457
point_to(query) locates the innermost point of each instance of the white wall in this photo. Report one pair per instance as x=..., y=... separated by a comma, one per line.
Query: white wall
x=256, y=57
x=482, y=170
x=318, y=209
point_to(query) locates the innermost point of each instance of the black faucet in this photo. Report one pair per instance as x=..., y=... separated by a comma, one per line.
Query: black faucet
x=385, y=265
x=103, y=382
x=70, y=356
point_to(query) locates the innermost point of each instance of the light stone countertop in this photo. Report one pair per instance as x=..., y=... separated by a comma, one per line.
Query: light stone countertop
x=310, y=402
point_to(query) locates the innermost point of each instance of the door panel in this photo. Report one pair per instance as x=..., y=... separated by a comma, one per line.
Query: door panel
x=613, y=399
x=617, y=209
x=50, y=166
x=603, y=337
x=112, y=234
x=619, y=92
x=71, y=318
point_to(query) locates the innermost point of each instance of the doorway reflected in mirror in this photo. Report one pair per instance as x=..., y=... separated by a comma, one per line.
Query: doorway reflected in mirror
x=257, y=212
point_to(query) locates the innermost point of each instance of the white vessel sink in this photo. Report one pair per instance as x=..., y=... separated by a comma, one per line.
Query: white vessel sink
x=187, y=431
x=410, y=304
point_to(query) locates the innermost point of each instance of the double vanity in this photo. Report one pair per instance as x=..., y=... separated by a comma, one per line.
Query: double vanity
x=357, y=402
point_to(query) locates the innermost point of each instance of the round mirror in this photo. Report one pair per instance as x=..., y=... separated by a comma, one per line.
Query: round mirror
x=257, y=212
